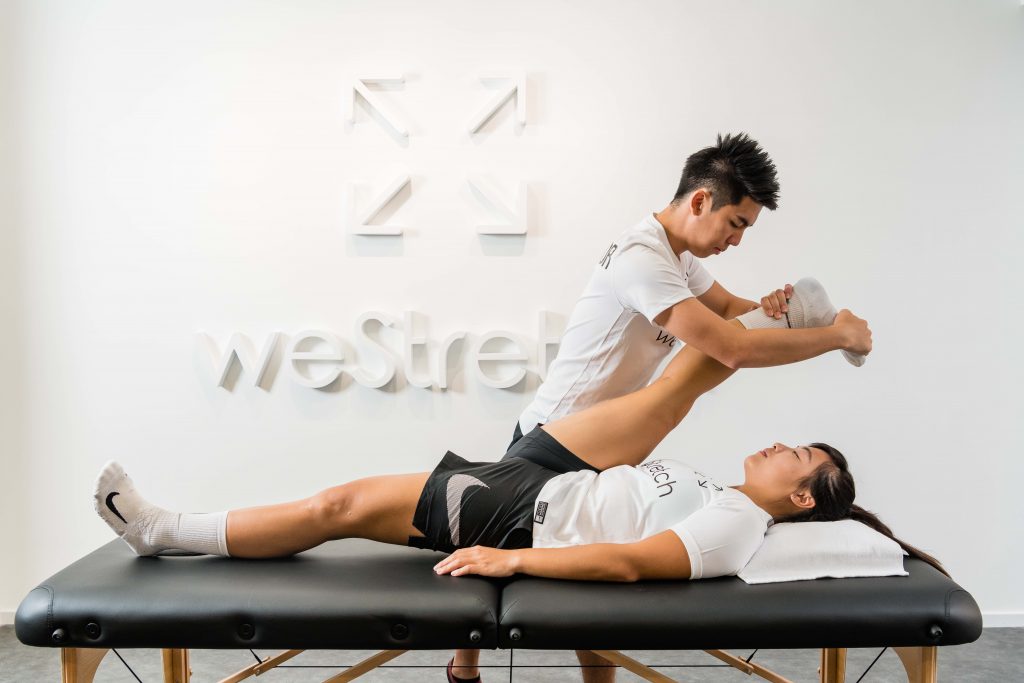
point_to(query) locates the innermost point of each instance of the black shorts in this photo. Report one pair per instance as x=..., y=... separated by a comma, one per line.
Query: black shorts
x=478, y=503
x=541, y=448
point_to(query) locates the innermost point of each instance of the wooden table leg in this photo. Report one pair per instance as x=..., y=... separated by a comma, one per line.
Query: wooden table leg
x=746, y=667
x=833, y=665
x=176, y=668
x=262, y=666
x=633, y=666
x=79, y=664
x=921, y=663
x=368, y=664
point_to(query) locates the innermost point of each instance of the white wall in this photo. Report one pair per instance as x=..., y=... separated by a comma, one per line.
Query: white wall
x=12, y=575
x=184, y=167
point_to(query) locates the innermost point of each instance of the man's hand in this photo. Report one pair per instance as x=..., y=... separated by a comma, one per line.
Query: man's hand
x=479, y=560
x=774, y=303
x=855, y=331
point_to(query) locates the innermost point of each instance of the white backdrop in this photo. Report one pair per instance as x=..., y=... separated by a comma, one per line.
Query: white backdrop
x=178, y=168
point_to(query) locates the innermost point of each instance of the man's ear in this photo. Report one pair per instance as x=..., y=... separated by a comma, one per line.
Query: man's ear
x=700, y=201
x=802, y=499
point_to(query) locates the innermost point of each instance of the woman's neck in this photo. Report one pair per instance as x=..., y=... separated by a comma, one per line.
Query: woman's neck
x=775, y=508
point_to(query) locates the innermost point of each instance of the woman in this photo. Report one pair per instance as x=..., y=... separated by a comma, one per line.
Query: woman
x=573, y=499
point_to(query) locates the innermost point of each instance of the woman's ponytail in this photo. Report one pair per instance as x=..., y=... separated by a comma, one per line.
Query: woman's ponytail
x=870, y=519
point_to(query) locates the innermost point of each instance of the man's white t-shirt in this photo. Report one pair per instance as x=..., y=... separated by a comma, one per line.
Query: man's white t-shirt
x=611, y=345
x=720, y=527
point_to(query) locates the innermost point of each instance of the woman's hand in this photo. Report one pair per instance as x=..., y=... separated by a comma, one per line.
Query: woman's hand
x=479, y=560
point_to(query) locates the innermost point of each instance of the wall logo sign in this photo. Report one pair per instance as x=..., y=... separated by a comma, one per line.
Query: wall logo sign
x=318, y=358
x=513, y=212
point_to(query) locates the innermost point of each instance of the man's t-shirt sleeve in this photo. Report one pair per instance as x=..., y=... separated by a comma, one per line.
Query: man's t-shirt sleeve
x=721, y=537
x=698, y=278
x=645, y=282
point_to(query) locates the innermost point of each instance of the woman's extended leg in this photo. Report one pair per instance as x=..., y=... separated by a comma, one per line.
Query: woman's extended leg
x=625, y=430
x=377, y=508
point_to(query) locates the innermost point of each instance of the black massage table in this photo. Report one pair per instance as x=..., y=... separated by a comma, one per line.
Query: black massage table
x=356, y=594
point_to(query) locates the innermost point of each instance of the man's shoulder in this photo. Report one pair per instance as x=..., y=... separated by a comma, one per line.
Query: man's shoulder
x=648, y=237
x=643, y=231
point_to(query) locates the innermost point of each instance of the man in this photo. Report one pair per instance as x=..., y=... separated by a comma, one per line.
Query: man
x=649, y=291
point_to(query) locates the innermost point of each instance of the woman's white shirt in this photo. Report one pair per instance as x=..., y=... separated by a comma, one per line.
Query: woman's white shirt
x=720, y=527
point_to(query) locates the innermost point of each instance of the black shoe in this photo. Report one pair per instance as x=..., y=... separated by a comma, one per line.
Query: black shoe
x=452, y=678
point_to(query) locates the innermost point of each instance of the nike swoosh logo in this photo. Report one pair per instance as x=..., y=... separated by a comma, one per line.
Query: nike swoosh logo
x=110, y=506
x=457, y=485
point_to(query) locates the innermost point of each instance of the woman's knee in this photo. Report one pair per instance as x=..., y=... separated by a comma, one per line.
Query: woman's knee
x=336, y=510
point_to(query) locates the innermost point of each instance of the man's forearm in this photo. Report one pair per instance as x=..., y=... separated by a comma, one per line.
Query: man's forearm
x=594, y=562
x=738, y=307
x=762, y=348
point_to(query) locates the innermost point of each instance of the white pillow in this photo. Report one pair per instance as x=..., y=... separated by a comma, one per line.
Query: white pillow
x=798, y=551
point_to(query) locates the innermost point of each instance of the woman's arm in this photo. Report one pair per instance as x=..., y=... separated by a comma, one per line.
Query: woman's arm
x=662, y=556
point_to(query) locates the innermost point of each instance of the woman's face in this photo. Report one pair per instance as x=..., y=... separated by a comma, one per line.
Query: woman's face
x=777, y=471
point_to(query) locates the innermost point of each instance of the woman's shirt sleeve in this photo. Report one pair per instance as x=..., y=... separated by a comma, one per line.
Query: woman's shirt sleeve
x=721, y=537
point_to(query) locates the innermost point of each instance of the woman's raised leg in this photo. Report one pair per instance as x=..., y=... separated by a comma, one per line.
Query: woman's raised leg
x=624, y=430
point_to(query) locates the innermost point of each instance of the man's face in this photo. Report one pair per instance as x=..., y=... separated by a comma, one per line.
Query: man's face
x=717, y=230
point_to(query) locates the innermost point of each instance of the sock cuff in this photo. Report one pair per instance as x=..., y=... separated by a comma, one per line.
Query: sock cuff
x=222, y=533
x=757, y=319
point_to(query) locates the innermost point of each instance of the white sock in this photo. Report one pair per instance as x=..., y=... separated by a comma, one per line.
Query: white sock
x=808, y=307
x=148, y=529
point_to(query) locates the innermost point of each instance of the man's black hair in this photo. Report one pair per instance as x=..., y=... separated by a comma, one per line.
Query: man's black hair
x=734, y=168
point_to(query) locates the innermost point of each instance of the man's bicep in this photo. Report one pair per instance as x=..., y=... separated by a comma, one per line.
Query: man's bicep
x=661, y=556
x=717, y=299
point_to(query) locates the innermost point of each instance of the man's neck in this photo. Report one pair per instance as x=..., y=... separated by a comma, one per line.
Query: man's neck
x=671, y=220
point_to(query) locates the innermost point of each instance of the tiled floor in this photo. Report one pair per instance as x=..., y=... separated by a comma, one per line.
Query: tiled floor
x=997, y=657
